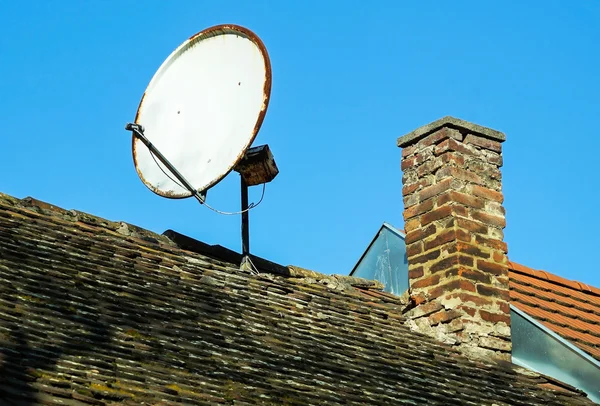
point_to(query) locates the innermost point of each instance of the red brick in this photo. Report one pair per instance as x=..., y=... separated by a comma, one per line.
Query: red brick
x=418, y=298
x=492, y=268
x=483, y=143
x=465, y=260
x=412, y=224
x=410, y=200
x=502, y=281
x=439, y=135
x=443, y=316
x=485, y=290
x=420, y=234
x=471, y=250
x=436, y=214
x=447, y=222
x=504, y=307
x=476, y=300
x=454, y=326
x=494, y=317
x=474, y=275
x=406, y=151
x=414, y=249
x=420, y=208
x=453, y=145
x=450, y=158
x=435, y=189
x=442, y=238
x=492, y=243
x=485, y=169
x=424, y=310
x=495, y=159
x=500, y=257
x=488, y=218
x=460, y=211
x=486, y=193
x=494, y=185
x=407, y=189
x=463, y=235
x=424, y=156
x=442, y=147
x=425, y=282
x=444, y=264
x=450, y=248
x=459, y=173
x=429, y=256
x=472, y=226
x=496, y=344
x=450, y=287
x=467, y=309
x=495, y=208
x=443, y=199
x=429, y=167
x=452, y=260
x=453, y=248
x=415, y=273
x=450, y=197
x=467, y=200
x=408, y=163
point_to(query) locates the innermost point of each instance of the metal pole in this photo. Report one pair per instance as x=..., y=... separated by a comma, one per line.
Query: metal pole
x=245, y=219
x=138, y=132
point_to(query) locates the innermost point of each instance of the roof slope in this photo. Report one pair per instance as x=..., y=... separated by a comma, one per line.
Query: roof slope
x=569, y=308
x=96, y=312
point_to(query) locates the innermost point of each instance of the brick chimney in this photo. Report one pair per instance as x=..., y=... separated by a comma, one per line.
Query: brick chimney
x=458, y=269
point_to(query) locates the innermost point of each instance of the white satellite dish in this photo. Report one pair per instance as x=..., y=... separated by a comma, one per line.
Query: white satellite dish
x=200, y=114
x=203, y=109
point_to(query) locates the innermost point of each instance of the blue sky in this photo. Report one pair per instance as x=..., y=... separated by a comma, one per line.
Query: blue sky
x=348, y=79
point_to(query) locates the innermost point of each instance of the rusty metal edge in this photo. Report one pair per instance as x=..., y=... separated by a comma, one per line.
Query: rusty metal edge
x=209, y=32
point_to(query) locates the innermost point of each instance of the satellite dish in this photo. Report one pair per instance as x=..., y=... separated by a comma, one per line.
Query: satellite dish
x=202, y=110
x=200, y=114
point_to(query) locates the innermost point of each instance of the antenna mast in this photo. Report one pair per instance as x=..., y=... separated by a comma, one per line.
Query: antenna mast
x=255, y=168
x=204, y=107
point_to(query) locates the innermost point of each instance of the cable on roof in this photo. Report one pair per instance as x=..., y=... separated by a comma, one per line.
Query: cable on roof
x=250, y=206
x=226, y=213
x=248, y=265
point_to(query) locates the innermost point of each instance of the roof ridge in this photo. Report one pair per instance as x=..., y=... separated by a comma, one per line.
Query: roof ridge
x=36, y=207
x=298, y=272
x=42, y=208
x=552, y=278
x=122, y=227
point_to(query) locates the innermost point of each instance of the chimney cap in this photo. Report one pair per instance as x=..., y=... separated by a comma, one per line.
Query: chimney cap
x=452, y=122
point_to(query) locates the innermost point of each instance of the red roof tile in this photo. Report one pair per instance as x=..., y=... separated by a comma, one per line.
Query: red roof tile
x=569, y=308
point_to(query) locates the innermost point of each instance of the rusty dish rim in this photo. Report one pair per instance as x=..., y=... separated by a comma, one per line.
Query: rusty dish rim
x=207, y=33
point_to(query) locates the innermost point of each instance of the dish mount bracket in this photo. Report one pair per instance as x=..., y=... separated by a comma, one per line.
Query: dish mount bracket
x=255, y=168
x=138, y=132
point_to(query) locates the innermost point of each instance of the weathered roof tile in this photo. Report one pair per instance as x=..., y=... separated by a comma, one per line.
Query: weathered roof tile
x=92, y=314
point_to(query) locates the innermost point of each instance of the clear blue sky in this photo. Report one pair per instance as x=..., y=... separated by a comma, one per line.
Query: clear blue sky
x=349, y=77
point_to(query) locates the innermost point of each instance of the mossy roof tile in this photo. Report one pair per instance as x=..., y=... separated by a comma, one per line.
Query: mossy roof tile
x=94, y=312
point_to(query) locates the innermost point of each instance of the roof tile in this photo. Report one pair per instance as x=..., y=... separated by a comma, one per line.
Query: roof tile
x=569, y=308
x=97, y=312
